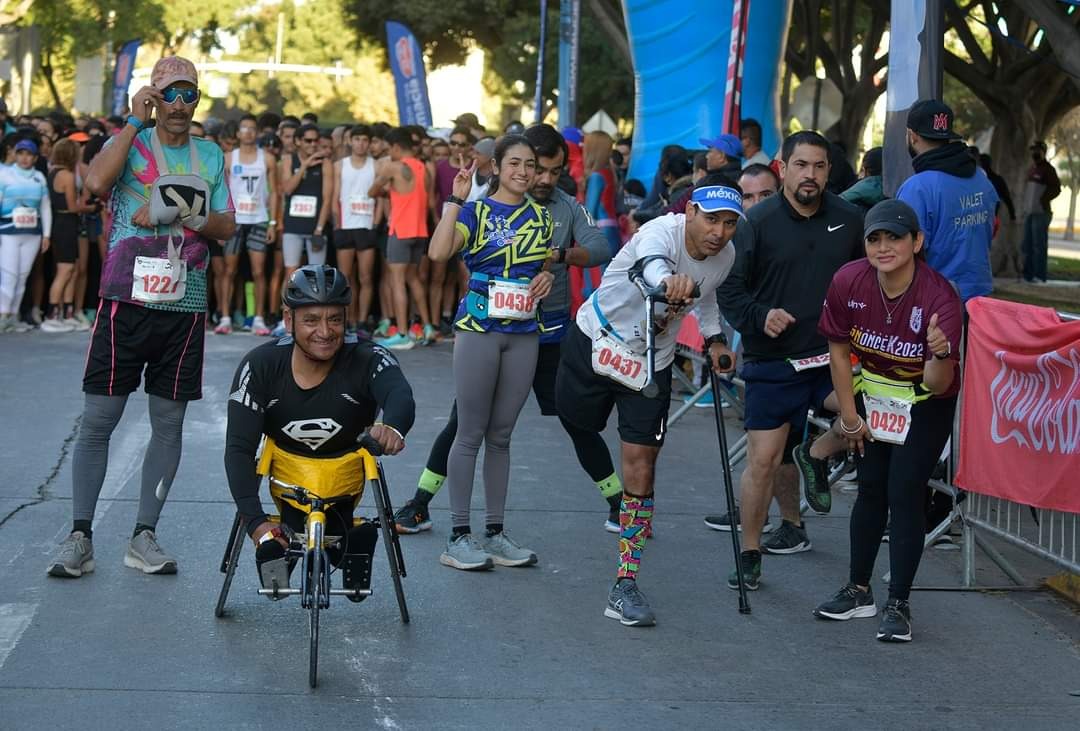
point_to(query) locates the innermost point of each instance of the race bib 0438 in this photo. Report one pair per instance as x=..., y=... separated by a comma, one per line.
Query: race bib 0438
x=510, y=301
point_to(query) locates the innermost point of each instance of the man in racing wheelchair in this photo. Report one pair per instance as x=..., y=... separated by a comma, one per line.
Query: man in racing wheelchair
x=312, y=394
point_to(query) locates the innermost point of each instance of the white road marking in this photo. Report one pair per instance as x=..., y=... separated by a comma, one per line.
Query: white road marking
x=14, y=619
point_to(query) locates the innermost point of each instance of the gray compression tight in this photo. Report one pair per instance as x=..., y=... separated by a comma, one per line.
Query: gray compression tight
x=100, y=417
x=493, y=373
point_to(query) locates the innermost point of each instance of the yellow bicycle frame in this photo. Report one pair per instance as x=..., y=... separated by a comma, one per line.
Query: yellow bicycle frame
x=322, y=477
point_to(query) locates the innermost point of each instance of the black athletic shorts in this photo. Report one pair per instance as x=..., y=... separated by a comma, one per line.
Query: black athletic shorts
x=360, y=239
x=586, y=399
x=777, y=394
x=547, y=366
x=128, y=338
x=64, y=241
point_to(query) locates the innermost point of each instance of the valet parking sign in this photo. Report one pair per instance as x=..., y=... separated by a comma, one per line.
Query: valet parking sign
x=1020, y=418
x=407, y=65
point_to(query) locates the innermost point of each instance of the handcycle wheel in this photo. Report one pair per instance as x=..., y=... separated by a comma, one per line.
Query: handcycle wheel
x=315, y=585
x=228, y=563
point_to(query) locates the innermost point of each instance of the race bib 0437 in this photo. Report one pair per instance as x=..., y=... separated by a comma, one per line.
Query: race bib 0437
x=614, y=360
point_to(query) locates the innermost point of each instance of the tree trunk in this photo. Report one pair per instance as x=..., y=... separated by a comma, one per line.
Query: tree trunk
x=1011, y=161
x=47, y=72
x=1069, y=235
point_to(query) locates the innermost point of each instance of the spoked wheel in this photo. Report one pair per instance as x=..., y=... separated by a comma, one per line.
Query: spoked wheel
x=315, y=584
x=228, y=563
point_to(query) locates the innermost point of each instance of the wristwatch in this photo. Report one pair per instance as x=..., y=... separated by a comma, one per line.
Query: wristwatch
x=460, y=202
x=945, y=355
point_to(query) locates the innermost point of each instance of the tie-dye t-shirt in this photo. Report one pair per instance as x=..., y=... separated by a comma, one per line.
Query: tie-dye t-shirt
x=127, y=241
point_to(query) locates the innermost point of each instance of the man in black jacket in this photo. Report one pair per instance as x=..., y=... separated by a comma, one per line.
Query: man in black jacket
x=789, y=247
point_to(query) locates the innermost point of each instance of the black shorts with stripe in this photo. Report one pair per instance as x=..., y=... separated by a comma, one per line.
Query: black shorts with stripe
x=129, y=339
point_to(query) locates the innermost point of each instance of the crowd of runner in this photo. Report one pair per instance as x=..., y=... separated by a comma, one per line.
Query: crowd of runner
x=522, y=246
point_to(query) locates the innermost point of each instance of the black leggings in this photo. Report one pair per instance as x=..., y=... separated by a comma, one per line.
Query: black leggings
x=892, y=480
x=591, y=449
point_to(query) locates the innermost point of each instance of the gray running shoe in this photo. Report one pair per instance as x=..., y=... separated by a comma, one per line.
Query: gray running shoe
x=145, y=554
x=467, y=553
x=627, y=604
x=74, y=558
x=505, y=552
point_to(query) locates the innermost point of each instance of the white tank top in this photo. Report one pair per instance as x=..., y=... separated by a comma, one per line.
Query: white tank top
x=247, y=184
x=357, y=208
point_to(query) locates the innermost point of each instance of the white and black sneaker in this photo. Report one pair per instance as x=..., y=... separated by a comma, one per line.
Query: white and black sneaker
x=895, y=623
x=789, y=538
x=848, y=603
x=723, y=522
x=627, y=604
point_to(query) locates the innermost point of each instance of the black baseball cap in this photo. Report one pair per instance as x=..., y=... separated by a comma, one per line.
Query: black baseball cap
x=893, y=216
x=932, y=119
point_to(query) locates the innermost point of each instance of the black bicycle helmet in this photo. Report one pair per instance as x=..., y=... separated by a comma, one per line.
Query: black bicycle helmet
x=315, y=285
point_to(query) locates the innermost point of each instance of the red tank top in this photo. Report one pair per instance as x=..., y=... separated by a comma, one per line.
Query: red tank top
x=408, y=211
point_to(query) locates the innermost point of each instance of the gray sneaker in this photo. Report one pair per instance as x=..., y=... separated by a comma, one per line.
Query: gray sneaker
x=145, y=554
x=627, y=604
x=505, y=552
x=74, y=558
x=467, y=553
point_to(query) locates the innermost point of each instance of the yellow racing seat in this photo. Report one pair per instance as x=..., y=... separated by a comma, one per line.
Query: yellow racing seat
x=325, y=477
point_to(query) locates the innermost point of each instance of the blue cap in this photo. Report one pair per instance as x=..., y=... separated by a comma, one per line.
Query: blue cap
x=573, y=134
x=26, y=145
x=713, y=198
x=728, y=144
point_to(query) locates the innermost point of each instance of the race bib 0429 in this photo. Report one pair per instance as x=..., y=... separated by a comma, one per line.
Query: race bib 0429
x=158, y=280
x=889, y=419
x=614, y=360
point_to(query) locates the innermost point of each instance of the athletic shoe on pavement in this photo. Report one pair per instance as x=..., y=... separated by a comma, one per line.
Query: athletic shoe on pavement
x=895, y=625
x=430, y=335
x=74, y=558
x=467, y=553
x=412, y=518
x=789, y=538
x=6, y=325
x=446, y=327
x=19, y=326
x=504, y=551
x=56, y=325
x=627, y=604
x=723, y=522
x=145, y=554
x=611, y=525
x=751, y=568
x=36, y=316
x=77, y=324
x=815, y=478
x=258, y=327
x=848, y=603
x=397, y=342
x=224, y=326
x=416, y=332
x=383, y=330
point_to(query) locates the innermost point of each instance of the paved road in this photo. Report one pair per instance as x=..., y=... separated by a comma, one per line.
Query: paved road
x=513, y=648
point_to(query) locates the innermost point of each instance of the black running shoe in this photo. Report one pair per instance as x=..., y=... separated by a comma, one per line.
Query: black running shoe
x=751, y=569
x=815, y=478
x=895, y=623
x=790, y=538
x=412, y=518
x=723, y=522
x=627, y=604
x=848, y=603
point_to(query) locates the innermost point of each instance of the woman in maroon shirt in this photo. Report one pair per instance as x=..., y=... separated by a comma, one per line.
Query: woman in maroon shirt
x=903, y=322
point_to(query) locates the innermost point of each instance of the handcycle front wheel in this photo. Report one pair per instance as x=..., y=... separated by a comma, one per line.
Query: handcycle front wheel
x=315, y=584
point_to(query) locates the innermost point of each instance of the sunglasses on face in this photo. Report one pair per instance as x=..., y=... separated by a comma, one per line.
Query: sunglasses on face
x=188, y=96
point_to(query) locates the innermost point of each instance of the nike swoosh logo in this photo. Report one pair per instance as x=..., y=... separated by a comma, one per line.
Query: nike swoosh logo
x=830, y=229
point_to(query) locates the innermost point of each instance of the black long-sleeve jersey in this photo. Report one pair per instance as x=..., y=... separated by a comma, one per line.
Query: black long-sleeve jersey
x=324, y=421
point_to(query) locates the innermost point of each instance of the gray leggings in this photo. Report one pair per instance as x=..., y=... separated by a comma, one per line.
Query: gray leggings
x=493, y=373
x=100, y=417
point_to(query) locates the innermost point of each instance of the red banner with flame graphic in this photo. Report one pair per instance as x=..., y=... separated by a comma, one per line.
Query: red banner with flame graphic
x=1020, y=419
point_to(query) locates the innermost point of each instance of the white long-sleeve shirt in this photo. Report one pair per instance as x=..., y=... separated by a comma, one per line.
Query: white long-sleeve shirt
x=618, y=307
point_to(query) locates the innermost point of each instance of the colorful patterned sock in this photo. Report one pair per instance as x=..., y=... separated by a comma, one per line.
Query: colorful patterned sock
x=635, y=520
x=610, y=486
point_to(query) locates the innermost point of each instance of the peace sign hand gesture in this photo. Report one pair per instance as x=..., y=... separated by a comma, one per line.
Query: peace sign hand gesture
x=463, y=181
